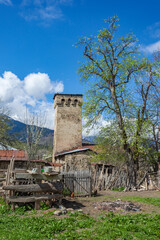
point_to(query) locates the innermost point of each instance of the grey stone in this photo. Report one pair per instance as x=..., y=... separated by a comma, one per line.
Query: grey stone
x=70, y=209
x=79, y=210
x=57, y=213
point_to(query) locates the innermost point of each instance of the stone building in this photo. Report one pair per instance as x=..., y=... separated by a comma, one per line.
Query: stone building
x=68, y=122
x=68, y=148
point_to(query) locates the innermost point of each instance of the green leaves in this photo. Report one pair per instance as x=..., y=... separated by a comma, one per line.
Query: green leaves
x=123, y=86
x=6, y=137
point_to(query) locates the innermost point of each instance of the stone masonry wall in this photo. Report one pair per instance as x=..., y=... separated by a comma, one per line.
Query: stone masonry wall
x=68, y=122
x=75, y=161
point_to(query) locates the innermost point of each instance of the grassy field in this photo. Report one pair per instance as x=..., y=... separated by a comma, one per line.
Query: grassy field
x=36, y=225
x=146, y=200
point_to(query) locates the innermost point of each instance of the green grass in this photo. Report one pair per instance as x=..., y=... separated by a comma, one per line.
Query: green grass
x=79, y=226
x=148, y=200
x=118, y=189
x=23, y=225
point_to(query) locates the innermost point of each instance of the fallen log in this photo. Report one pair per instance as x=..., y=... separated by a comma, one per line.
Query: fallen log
x=42, y=187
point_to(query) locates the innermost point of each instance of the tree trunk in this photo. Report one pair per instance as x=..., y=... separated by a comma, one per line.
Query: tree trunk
x=132, y=173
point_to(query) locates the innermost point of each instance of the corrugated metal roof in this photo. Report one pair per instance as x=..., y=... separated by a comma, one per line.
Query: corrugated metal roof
x=72, y=151
x=80, y=148
x=18, y=154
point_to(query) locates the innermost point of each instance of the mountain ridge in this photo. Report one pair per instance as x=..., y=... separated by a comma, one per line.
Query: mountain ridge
x=19, y=128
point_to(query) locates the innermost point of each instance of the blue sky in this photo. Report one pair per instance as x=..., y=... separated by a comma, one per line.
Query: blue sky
x=37, y=57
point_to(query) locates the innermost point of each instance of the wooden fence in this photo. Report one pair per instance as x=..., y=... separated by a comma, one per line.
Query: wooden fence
x=78, y=182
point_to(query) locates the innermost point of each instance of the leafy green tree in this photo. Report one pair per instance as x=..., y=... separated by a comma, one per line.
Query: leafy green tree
x=154, y=115
x=114, y=69
x=6, y=137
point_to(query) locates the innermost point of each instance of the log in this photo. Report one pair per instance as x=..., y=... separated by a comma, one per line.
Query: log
x=141, y=181
x=28, y=199
x=42, y=187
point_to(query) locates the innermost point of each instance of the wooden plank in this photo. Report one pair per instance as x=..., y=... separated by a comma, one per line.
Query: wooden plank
x=13, y=207
x=3, y=175
x=28, y=199
x=19, y=170
x=42, y=187
x=2, y=179
x=69, y=182
x=81, y=182
x=38, y=176
x=37, y=205
x=9, y=171
x=1, y=190
x=7, y=176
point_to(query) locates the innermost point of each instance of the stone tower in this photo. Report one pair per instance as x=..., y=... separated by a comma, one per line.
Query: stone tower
x=68, y=122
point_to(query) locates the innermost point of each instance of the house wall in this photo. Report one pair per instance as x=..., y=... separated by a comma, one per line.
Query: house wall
x=68, y=122
x=75, y=161
x=103, y=176
x=20, y=164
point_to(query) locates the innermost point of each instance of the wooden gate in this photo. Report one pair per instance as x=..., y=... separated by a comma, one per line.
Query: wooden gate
x=78, y=182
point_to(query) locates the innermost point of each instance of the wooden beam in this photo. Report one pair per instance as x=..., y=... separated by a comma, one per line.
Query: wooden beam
x=2, y=179
x=38, y=176
x=19, y=170
x=28, y=199
x=42, y=187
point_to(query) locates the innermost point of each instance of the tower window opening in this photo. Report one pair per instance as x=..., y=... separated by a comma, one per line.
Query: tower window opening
x=75, y=102
x=62, y=102
x=69, y=102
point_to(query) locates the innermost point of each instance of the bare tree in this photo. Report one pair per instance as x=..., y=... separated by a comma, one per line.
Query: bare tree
x=35, y=124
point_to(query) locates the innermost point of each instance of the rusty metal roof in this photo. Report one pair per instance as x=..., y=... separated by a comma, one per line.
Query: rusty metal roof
x=18, y=154
x=56, y=164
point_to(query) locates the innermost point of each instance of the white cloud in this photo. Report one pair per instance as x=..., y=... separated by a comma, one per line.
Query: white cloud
x=96, y=128
x=10, y=86
x=153, y=30
x=152, y=47
x=37, y=84
x=58, y=87
x=6, y=2
x=43, y=10
x=49, y=13
x=18, y=95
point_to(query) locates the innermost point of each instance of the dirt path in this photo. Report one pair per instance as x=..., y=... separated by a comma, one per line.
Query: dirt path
x=87, y=204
